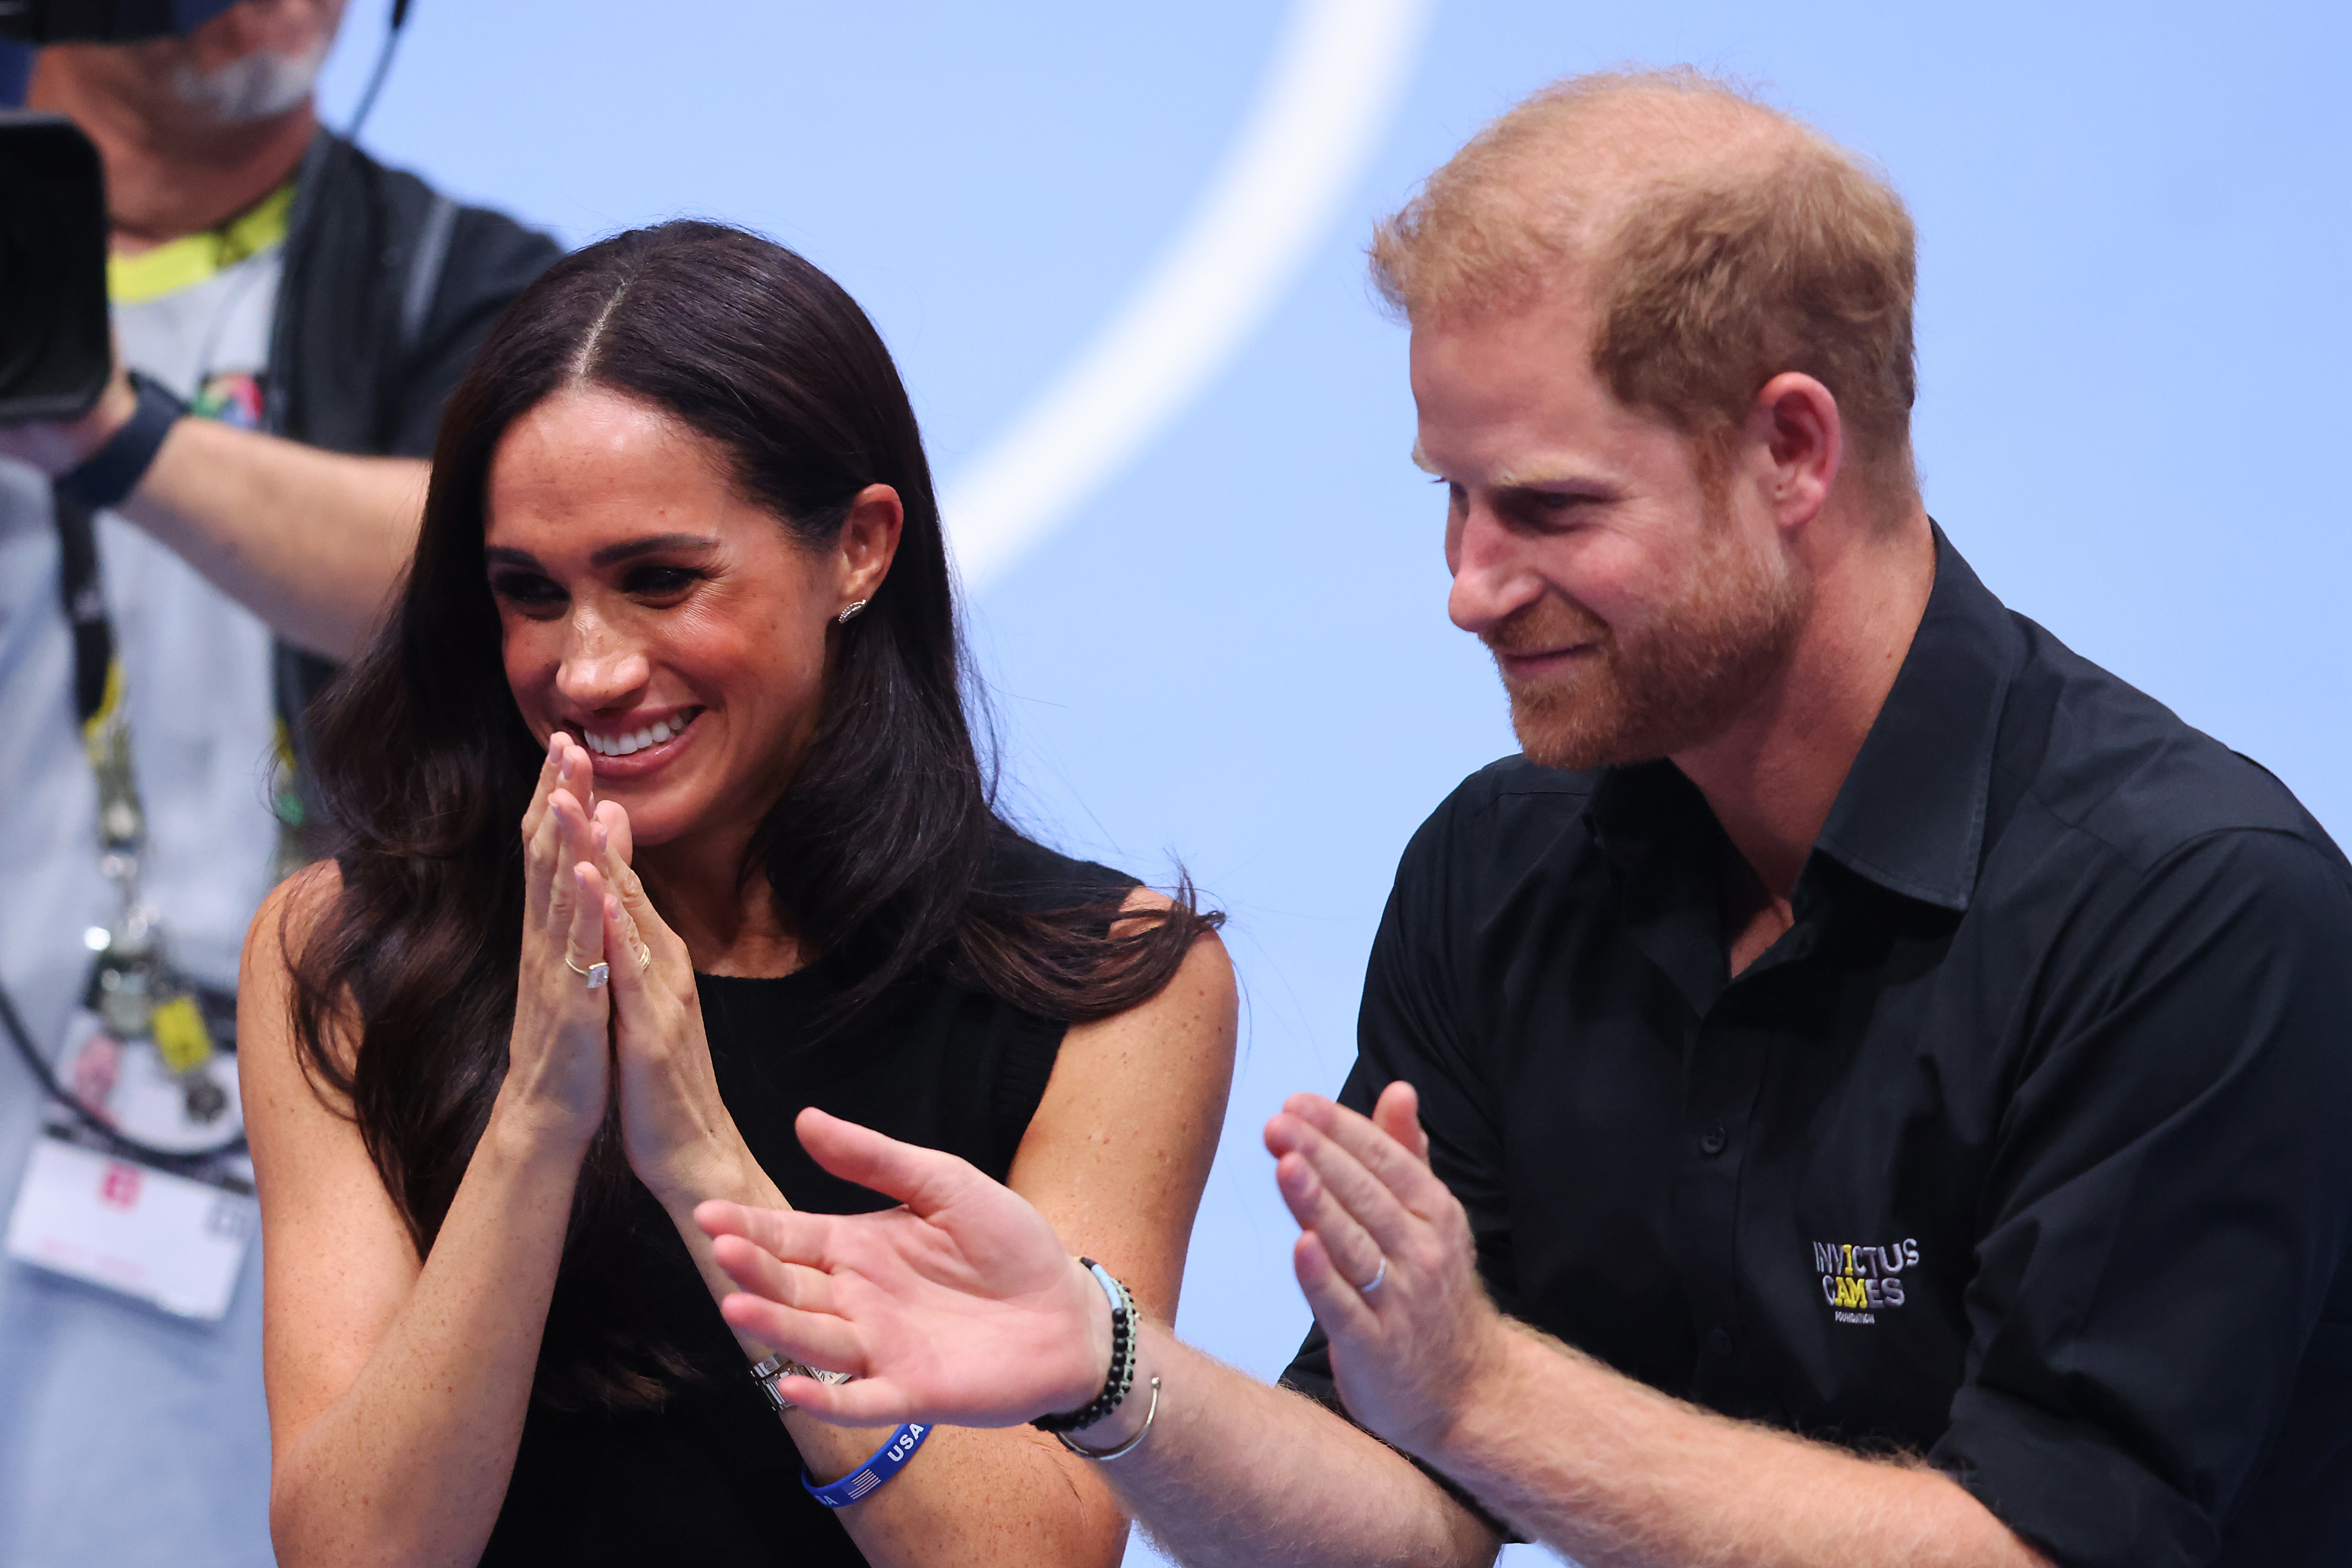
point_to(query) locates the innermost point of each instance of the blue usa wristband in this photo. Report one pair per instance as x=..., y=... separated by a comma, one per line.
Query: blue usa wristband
x=868, y=1479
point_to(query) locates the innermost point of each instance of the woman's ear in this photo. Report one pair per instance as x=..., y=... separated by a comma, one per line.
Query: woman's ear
x=869, y=540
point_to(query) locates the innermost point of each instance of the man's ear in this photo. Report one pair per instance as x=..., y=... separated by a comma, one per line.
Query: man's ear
x=869, y=541
x=1795, y=420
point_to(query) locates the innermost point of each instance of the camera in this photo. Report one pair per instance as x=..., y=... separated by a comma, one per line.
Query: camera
x=103, y=21
x=55, y=349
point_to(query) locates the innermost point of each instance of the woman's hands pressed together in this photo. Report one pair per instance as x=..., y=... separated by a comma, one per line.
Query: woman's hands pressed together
x=638, y=1035
x=559, y=1075
x=680, y=1140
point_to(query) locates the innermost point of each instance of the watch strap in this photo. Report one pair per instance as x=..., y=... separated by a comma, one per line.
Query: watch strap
x=108, y=475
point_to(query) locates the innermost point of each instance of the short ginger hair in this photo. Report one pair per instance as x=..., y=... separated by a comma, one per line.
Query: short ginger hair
x=1721, y=242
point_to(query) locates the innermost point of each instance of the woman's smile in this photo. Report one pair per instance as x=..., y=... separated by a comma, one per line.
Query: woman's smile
x=636, y=744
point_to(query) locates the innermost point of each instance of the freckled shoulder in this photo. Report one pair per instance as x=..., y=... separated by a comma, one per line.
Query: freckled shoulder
x=288, y=919
x=1121, y=1146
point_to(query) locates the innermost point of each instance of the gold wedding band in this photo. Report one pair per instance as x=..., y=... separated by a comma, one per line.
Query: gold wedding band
x=594, y=974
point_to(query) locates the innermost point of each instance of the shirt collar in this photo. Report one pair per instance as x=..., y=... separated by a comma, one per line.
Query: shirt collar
x=187, y=261
x=1911, y=814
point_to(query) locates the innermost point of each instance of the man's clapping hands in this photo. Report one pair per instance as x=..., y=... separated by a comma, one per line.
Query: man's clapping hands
x=962, y=1305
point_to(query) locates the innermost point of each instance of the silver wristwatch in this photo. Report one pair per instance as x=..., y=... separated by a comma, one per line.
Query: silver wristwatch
x=772, y=1372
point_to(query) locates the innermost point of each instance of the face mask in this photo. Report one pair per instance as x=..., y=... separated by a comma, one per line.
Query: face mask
x=260, y=85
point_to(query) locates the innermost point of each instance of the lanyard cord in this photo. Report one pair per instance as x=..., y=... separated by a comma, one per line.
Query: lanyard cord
x=120, y=819
x=179, y=1160
x=96, y=692
x=85, y=602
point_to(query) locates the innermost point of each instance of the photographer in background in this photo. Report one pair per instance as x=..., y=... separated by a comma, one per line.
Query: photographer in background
x=177, y=566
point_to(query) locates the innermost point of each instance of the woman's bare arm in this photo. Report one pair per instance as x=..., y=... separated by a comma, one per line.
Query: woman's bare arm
x=397, y=1388
x=1116, y=1158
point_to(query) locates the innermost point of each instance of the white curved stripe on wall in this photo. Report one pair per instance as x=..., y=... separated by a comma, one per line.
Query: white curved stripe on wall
x=1339, y=75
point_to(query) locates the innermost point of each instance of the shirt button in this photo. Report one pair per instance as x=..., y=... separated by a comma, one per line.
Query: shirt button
x=1718, y=1341
x=1711, y=1142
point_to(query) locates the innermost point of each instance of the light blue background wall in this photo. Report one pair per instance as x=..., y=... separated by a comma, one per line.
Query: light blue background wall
x=2133, y=336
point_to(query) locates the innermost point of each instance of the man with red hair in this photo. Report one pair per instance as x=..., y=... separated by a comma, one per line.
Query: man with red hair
x=1865, y=1086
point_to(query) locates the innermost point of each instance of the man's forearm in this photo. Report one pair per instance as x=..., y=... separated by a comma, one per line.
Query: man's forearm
x=309, y=541
x=1617, y=1475
x=1235, y=1474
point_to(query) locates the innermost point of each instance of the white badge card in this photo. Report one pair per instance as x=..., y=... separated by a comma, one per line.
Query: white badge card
x=161, y=1237
x=173, y=1237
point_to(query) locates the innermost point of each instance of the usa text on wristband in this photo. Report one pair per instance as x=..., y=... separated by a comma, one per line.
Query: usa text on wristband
x=867, y=1478
x=108, y=475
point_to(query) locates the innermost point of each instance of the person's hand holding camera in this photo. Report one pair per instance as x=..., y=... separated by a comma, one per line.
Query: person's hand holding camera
x=57, y=446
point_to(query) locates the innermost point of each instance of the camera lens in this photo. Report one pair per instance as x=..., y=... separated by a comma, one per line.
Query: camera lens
x=55, y=352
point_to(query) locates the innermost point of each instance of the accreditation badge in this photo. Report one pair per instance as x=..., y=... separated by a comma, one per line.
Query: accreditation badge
x=168, y=1225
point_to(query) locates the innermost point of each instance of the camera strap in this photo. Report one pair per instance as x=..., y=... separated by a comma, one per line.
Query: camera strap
x=85, y=605
x=133, y=988
x=97, y=690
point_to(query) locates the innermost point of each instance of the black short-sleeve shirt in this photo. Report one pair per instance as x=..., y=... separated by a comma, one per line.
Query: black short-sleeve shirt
x=2028, y=1148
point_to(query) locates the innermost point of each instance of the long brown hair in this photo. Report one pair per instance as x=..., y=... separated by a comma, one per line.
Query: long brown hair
x=877, y=848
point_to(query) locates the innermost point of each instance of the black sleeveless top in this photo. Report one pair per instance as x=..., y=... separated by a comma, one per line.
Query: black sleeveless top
x=711, y=1476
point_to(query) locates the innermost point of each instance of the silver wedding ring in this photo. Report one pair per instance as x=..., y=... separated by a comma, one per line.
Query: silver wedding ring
x=594, y=974
x=1377, y=1280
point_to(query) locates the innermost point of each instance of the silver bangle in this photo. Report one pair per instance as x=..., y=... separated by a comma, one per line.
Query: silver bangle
x=773, y=1370
x=1099, y=1455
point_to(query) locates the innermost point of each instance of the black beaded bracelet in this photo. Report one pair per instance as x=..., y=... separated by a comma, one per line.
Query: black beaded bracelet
x=1122, y=1359
x=108, y=475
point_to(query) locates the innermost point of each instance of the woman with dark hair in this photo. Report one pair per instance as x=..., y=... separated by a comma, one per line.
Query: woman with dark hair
x=680, y=613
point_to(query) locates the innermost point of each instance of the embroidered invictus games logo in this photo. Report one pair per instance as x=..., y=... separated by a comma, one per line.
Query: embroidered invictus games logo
x=1859, y=1280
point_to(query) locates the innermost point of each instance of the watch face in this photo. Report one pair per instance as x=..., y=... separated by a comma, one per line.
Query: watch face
x=770, y=1374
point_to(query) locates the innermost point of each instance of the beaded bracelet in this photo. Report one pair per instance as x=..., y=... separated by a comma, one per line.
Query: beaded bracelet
x=1121, y=1376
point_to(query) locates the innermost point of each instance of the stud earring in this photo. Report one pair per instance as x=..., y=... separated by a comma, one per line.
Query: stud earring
x=846, y=616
